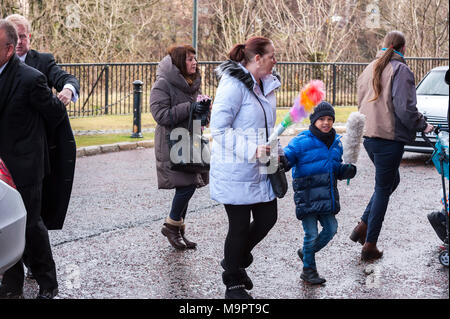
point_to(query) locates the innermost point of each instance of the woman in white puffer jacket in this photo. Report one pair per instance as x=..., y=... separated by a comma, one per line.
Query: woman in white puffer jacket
x=245, y=101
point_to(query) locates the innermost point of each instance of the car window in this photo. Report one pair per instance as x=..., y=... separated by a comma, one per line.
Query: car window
x=433, y=84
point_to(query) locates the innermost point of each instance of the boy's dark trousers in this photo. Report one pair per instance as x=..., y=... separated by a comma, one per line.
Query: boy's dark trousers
x=386, y=156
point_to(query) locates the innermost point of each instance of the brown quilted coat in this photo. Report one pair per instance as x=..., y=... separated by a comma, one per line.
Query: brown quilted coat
x=171, y=90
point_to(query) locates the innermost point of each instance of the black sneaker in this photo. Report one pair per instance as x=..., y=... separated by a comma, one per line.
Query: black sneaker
x=310, y=276
x=6, y=293
x=47, y=293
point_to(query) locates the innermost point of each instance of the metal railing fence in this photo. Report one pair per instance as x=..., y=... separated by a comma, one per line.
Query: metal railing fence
x=107, y=88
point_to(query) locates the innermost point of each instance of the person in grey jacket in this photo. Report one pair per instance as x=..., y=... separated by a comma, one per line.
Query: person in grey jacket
x=387, y=97
x=244, y=102
x=172, y=98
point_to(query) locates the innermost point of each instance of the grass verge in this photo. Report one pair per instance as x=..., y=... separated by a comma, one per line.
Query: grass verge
x=124, y=122
x=102, y=139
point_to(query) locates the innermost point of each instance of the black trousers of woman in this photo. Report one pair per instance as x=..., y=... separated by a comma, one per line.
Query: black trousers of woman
x=244, y=235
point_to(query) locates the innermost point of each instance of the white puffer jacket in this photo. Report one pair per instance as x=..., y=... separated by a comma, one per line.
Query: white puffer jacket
x=238, y=126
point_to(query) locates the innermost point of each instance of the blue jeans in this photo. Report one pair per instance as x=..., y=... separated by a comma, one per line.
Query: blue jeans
x=386, y=155
x=180, y=202
x=313, y=241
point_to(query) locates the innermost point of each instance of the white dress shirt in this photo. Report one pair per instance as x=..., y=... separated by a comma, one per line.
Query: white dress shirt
x=3, y=67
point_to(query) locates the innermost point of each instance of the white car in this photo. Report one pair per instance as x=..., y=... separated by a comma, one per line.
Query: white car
x=12, y=221
x=432, y=102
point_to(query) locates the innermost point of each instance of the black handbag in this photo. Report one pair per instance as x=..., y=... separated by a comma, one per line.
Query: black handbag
x=277, y=179
x=197, y=156
x=279, y=182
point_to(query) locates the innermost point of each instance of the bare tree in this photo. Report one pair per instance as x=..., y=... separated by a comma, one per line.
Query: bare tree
x=302, y=30
x=235, y=22
x=312, y=30
x=424, y=22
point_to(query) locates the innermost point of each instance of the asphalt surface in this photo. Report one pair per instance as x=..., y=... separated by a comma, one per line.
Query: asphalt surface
x=111, y=245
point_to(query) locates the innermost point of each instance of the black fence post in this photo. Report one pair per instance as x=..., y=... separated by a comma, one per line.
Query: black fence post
x=334, y=84
x=137, y=103
x=106, y=88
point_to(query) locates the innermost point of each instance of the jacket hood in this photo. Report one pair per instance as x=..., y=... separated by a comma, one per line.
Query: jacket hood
x=167, y=70
x=237, y=71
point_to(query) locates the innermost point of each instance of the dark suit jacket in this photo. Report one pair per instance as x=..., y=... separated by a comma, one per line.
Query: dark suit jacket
x=56, y=77
x=61, y=145
x=27, y=107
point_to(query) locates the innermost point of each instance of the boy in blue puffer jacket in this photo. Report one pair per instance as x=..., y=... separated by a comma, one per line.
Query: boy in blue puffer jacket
x=316, y=158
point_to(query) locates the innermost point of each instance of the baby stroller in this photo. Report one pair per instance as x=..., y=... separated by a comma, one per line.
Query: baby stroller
x=440, y=159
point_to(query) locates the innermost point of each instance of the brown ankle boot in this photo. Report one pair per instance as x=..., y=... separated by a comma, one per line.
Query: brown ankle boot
x=189, y=244
x=359, y=233
x=173, y=234
x=370, y=252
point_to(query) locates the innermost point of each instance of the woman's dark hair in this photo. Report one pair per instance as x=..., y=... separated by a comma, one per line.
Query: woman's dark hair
x=394, y=40
x=244, y=53
x=178, y=55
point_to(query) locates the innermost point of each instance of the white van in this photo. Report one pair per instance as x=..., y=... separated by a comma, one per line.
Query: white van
x=432, y=102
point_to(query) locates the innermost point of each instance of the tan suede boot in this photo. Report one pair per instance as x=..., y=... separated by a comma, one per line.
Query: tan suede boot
x=189, y=244
x=171, y=230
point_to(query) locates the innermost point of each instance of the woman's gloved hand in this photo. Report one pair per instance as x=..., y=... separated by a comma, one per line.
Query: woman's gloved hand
x=285, y=163
x=201, y=107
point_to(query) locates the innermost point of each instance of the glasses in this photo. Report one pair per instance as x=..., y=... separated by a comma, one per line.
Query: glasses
x=23, y=36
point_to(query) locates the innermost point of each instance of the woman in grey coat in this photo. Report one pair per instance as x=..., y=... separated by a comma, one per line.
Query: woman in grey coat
x=172, y=98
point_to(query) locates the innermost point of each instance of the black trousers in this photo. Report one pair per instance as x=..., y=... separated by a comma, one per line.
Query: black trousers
x=38, y=253
x=244, y=235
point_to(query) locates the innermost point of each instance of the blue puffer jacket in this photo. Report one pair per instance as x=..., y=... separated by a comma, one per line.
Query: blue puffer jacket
x=315, y=172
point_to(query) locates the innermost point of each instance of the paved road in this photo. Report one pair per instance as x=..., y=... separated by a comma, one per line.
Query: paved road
x=111, y=245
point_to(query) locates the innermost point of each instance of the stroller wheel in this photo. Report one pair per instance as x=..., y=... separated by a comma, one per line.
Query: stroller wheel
x=443, y=258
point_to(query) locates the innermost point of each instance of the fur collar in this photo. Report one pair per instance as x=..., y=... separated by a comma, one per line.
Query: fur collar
x=234, y=69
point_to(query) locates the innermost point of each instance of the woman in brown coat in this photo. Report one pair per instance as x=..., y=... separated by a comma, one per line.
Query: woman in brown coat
x=172, y=97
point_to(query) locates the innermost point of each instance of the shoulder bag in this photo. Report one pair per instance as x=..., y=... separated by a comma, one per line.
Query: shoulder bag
x=197, y=161
x=278, y=179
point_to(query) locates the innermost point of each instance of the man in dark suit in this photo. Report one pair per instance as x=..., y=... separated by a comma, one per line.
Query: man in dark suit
x=62, y=149
x=28, y=109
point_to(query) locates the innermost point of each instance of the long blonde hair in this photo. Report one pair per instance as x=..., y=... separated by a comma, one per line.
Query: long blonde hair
x=394, y=40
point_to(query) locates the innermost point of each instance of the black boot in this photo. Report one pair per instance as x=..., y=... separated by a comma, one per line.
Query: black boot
x=235, y=286
x=310, y=276
x=245, y=278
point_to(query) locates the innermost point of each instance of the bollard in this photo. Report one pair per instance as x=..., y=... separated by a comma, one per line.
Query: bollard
x=137, y=102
